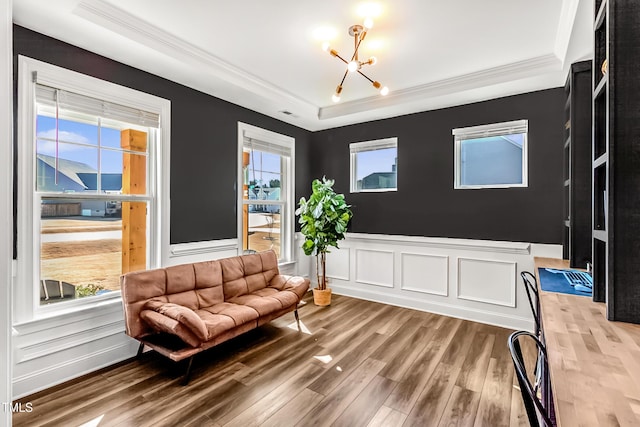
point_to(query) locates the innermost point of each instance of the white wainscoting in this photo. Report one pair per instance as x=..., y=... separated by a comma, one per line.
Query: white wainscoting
x=52, y=350
x=425, y=273
x=186, y=253
x=374, y=267
x=474, y=286
x=477, y=280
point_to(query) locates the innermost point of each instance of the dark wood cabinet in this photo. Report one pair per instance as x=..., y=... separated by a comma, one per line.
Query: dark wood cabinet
x=577, y=166
x=616, y=158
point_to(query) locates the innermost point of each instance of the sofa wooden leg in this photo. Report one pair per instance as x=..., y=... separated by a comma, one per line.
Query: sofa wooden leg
x=187, y=374
x=295, y=313
x=140, y=348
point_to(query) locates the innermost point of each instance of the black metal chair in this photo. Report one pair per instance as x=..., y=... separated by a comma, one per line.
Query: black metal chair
x=538, y=405
x=531, y=286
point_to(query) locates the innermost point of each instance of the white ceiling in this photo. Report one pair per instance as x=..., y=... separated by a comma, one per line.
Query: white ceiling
x=264, y=55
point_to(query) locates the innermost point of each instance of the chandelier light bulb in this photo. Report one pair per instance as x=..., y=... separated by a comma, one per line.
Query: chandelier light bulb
x=353, y=66
x=373, y=60
x=326, y=46
x=368, y=23
x=384, y=91
x=335, y=97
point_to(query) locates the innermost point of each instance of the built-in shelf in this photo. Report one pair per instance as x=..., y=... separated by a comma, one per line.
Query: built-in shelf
x=600, y=235
x=600, y=161
x=616, y=157
x=600, y=17
x=599, y=90
x=577, y=165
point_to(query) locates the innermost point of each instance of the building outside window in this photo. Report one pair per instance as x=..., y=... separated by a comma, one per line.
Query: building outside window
x=94, y=161
x=374, y=165
x=491, y=156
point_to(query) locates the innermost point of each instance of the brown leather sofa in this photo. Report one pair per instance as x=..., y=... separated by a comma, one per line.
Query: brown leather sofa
x=182, y=310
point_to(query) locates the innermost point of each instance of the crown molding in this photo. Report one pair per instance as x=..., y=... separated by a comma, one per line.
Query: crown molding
x=483, y=78
x=121, y=22
x=565, y=28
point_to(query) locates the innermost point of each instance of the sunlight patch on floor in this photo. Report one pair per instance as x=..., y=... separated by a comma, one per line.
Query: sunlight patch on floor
x=303, y=328
x=94, y=422
x=324, y=359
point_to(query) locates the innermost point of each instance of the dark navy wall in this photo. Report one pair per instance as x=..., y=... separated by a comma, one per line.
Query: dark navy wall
x=426, y=203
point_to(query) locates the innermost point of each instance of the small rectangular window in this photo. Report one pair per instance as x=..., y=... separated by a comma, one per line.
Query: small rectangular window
x=491, y=156
x=374, y=165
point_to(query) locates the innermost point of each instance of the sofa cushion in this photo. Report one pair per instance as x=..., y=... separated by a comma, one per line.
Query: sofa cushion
x=208, y=276
x=240, y=314
x=263, y=305
x=183, y=315
x=295, y=284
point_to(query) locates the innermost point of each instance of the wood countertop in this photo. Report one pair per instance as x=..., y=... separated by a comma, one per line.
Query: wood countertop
x=594, y=363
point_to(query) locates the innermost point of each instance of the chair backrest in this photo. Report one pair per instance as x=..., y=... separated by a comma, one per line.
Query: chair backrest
x=538, y=414
x=531, y=286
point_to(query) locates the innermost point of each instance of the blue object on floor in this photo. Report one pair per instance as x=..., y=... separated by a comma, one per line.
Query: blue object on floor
x=573, y=282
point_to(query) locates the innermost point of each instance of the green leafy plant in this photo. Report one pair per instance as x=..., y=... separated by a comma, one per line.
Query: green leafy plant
x=87, y=290
x=323, y=219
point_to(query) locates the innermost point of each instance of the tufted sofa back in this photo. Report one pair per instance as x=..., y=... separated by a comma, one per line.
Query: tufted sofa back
x=195, y=286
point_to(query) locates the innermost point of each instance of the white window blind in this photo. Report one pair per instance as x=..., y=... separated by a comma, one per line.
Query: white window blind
x=75, y=102
x=484, y=131
x=378, y=144
x=267, y=147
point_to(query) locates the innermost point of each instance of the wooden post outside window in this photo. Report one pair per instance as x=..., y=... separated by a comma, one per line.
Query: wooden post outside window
x=245, y=196
x=134, y=214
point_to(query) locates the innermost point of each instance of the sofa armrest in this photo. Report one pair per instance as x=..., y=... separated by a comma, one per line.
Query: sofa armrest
x=296, y=284
x=161, y=323
x=181, y=314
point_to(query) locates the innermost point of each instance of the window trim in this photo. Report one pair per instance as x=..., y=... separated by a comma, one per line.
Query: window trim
x=358, y=147
x=287, y=231
x=26, y=306
x=484, y=131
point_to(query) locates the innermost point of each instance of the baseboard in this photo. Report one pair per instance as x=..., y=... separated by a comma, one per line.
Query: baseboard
x=86, y=362
x=481, y=316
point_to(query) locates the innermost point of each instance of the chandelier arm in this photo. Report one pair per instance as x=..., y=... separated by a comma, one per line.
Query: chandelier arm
x=344, y=77
x=365, y=76
x=356, y=43
x=341, y=58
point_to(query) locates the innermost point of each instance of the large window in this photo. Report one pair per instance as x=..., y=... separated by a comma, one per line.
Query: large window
x=267, y=191
x=374, y=165
x=90, y=156
x=491, y=156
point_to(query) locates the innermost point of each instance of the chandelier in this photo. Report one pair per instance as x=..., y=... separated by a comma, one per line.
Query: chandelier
x=358, y=32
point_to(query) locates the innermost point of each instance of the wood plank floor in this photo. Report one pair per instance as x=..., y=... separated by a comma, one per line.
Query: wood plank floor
x=356, y=363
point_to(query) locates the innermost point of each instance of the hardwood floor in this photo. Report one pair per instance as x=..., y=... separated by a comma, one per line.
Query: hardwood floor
x=356, y=363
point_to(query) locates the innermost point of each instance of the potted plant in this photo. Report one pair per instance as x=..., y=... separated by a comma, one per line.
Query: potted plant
x=323, y=220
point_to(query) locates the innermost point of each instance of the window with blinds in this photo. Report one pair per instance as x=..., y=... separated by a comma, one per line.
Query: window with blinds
x=491, y=156
x=374, y=165
x=267, y=223
x=90, y=157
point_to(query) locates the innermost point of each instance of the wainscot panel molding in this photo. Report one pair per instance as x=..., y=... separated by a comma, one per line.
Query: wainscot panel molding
x=470, y=279
x=425, y=273
x=49, y=351
x=374, y=267
x=488, y=281
x=339, y=264
x=186, y=253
